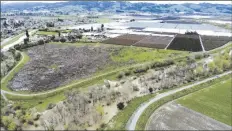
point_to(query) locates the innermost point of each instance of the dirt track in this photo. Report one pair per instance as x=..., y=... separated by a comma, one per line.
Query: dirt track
x=173, y=116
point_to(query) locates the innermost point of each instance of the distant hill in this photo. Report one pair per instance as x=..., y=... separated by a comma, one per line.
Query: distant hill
x=100, y=6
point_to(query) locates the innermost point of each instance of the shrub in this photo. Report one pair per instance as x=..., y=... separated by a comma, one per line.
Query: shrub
x=198, y=56
x=51, y=105
x=135, y=88
x=141, y=69
x=120, y=105
x=62, y=39
x=120, y=75
x=12, y=126
x=150, y=90
x=40, y=42
x=103, y=125
x=127, y=73
x=30, y=122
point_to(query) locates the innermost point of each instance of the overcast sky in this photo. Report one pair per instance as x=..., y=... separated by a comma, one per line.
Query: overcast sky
x=158, y=2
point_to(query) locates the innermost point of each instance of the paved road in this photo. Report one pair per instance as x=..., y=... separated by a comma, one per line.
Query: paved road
x=173, y=116
x=7, y=47
x=131, y=124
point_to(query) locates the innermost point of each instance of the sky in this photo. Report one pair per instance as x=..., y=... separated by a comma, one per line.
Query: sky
x=157, y=2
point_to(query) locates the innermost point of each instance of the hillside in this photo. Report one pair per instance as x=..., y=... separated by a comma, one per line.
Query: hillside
x=100, y=6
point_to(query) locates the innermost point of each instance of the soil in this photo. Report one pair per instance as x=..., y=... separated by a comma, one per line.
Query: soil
x=57, y=65
x=159, y=42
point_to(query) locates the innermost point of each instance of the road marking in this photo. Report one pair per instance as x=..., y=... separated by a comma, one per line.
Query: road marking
x=203, y=48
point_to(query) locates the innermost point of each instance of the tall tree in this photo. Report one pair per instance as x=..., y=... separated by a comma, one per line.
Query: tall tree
x=27, y=34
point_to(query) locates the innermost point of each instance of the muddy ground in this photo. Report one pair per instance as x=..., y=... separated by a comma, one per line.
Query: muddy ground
x=57, y=65
x=173, y=116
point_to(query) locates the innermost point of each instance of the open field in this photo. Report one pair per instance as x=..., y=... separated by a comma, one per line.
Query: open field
x=173, y=116
x=212, y=42
x=159, y=42
x=46, y=33
x=67, y=64
x=186, y=42
x=128, y=39
x=214, y=102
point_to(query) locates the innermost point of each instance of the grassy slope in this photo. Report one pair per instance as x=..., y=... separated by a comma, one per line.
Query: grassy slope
x=214, y=102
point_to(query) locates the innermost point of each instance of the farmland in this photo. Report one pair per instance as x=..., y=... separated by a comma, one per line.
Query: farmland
x=186, y=42
x=212, y=42
x=159, y=42
x=214, y=102
x=127, y=39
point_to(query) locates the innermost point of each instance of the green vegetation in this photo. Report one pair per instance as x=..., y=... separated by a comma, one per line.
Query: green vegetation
x=4, y=82
x=141, y=123
x=103, y=20
x=138, y=54
x=214, y=102
x=46, y=33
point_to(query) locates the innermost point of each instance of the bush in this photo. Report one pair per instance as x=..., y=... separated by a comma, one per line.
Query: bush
x=127, y=73
x=120, y=75
x=135, y=88
x=120, y=105
x=198, y=56
x=30, y=122
x=51, y=105
x=141, y=69
x=103, y=125
x=40, y=42
x=62, y=39
x=150, y=90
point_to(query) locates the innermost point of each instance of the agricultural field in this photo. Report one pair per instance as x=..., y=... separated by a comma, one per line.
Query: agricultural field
x=128, y=39
x=56, y=65
x=173, y=116
x=159, y=42
x=214, y=102
x=212, y=42
x=186, y=43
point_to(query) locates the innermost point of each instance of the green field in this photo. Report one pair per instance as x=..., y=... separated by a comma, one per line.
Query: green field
x=103, y=20
x=214, y=102
x=46, y=33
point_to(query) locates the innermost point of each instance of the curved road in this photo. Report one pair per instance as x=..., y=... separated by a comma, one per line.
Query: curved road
x=131, y=124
